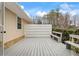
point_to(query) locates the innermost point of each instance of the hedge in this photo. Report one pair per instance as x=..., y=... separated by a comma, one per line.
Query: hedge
x=69, y=31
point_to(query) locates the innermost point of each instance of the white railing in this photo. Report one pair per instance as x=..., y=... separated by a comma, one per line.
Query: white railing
x=72, y=36
x=59, y=38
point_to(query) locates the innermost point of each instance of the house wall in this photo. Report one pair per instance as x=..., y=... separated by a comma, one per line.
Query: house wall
x=1, y=15
x=11, y=27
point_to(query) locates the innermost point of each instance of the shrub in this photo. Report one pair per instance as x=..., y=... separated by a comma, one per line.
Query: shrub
x=70, y=31
x=61, y=30
x=65, y=36
x=58, y=30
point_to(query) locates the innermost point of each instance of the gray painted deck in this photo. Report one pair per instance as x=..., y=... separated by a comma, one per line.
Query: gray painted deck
x=38, y=47
x=1, y=51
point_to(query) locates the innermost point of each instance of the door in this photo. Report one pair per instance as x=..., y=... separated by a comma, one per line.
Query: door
x=1, y=29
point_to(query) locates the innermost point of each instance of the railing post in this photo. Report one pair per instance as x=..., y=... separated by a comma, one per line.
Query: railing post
x=61, y=37
x=72, y=39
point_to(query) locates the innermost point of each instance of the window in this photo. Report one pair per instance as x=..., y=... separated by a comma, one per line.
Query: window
x=19, y=23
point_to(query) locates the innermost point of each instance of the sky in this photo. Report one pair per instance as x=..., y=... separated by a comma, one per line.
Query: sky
x=42, y=8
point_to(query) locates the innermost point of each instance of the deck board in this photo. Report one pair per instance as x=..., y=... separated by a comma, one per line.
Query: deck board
x=38, y=47
x=1, y=51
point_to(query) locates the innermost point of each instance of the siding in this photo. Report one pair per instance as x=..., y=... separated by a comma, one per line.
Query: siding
x=11, y=26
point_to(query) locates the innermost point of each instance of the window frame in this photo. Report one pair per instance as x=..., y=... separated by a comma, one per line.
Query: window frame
x=18, y=23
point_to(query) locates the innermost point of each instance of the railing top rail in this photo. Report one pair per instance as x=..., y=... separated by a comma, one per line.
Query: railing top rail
x=74, y=44
x=71, y=35
x=57, y=32
x=55, y=36
x=74, y=36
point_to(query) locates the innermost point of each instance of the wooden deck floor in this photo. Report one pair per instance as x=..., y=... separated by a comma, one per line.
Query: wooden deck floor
x=38, y=47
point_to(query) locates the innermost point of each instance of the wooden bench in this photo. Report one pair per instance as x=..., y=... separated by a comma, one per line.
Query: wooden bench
x=69, y=44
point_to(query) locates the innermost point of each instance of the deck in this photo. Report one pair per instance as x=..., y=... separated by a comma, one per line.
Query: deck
x=38, y=47
x=1, y=51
